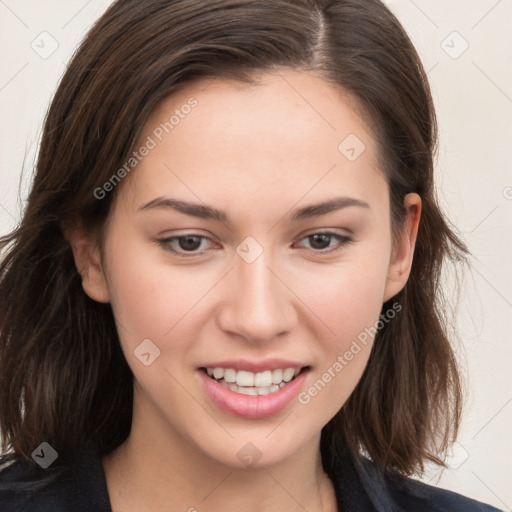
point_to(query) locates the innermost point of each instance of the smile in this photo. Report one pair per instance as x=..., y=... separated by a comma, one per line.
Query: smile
x=250, y=383
x=249, y=394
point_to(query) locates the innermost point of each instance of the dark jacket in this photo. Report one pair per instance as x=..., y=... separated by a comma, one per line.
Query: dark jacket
x=80, y=486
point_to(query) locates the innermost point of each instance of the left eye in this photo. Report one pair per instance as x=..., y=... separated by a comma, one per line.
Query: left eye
x=322, y=240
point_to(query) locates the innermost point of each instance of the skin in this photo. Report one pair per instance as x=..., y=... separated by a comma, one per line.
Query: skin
x=257, y=153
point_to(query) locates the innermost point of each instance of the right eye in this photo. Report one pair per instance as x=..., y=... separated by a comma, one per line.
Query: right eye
x=184, y=245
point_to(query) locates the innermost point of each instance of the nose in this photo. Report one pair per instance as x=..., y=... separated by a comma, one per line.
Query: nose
x=259, y=304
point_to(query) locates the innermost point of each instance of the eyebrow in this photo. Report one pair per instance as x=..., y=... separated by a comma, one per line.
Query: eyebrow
x=208, y=212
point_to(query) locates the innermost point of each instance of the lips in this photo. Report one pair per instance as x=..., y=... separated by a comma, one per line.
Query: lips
x=254, y=366
x=252, y=394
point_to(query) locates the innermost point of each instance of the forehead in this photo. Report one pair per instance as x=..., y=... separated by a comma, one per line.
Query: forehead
x=291, y=132
x=292, y=104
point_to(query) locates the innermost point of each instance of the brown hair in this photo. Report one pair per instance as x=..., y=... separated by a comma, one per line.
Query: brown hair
x=63, y=377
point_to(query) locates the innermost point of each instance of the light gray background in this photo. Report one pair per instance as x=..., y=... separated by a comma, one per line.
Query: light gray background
x=473, y=95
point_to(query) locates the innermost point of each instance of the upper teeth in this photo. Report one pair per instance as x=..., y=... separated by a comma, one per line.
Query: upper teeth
x=260, y=379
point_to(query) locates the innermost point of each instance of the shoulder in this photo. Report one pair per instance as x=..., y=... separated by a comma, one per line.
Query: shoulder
x=362, y=485
x=404, y=493
x=77, y=486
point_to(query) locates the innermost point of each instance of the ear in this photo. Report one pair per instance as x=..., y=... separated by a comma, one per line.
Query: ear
x=88, y=261
x=402, y=254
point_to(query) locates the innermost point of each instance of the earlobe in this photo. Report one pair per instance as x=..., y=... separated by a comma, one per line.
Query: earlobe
x=402, y=257
x=88, y=261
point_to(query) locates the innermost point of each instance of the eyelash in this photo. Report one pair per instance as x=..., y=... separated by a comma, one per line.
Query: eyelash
x=165, y=243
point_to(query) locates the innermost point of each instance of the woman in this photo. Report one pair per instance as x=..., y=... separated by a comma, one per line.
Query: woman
x=224, y=290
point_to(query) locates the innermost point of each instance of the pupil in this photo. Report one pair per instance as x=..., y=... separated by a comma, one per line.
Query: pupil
x=320, y=237
x=189, y=243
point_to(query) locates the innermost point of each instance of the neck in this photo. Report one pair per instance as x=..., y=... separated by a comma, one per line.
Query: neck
x=157, y=469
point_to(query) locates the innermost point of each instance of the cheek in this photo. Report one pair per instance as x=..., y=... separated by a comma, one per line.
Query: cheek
x=149, y=298
x=348, y=300
x=347, y=297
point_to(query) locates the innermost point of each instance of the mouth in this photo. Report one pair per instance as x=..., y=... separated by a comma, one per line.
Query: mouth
x=262, y=393
x=251, y=383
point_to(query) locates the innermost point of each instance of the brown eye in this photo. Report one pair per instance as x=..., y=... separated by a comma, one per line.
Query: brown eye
x=321, y=241
x=185, y=245
x=189, y=243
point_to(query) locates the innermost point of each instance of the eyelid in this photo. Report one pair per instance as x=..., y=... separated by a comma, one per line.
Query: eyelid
x=165, y=243
x=343, y=239
x=326, y=231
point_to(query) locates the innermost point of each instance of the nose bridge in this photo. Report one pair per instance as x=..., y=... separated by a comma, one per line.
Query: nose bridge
x=258, y=305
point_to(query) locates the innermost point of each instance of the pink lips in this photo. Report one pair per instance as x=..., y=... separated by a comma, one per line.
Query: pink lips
x=248, y=406
x=254, y=366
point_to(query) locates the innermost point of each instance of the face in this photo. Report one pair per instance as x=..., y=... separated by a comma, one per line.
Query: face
x=218, y=259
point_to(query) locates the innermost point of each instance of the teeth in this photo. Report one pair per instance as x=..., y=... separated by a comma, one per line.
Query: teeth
x=218, y=373
x=288, y=374
x=277, y=376
x=263, y=379
x=248, y=391
x=249, y=383
x=230, y=375
x=245, y=379
x=254, y=391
